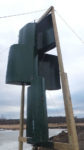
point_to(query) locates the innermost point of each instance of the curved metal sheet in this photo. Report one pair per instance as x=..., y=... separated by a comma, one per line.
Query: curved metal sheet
x=37, y=124
x=48, y=68
x=45, y=39
x=21, y=65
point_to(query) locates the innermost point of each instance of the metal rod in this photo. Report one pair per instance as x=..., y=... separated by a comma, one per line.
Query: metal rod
x=21, y=117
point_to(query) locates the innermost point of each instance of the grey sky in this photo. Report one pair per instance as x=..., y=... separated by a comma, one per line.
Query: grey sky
x=72, y=51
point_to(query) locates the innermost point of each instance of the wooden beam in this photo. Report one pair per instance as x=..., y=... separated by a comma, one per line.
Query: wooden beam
x=22, y=139
x=21, y=117
x=58, y=146
x=61, y=67
x=62, y=146
x=73, y=139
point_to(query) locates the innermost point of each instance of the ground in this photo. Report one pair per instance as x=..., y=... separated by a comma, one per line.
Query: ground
x=63, y=137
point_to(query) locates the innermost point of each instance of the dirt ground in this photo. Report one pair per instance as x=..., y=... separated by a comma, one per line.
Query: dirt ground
x=63, y=137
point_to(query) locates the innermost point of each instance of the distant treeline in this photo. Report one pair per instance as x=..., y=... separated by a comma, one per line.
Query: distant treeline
x=50, y=120
x=63, y=120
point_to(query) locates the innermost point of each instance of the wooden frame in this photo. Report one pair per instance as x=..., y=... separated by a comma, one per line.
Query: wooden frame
x=73, y=140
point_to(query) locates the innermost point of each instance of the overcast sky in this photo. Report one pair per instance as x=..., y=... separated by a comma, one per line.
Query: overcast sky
x=72, y=52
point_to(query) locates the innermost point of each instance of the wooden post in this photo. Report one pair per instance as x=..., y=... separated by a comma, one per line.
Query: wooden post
x=73, y=140
x=21, y=118
x=61, y=68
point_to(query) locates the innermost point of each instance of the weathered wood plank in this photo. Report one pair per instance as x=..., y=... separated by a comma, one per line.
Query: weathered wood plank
x=22, y=139
x=21, y=117
x=62, y=146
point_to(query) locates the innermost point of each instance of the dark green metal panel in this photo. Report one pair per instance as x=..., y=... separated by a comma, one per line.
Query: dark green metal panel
x=27, y=34
x=48, y=68
x=37, y=125
x=21, y=64
x=41, y=32
x=29, y=124
x=45, y=35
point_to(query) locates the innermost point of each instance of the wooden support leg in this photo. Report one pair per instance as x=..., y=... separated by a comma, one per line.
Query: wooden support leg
x=21, y=118
x=73, y=139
